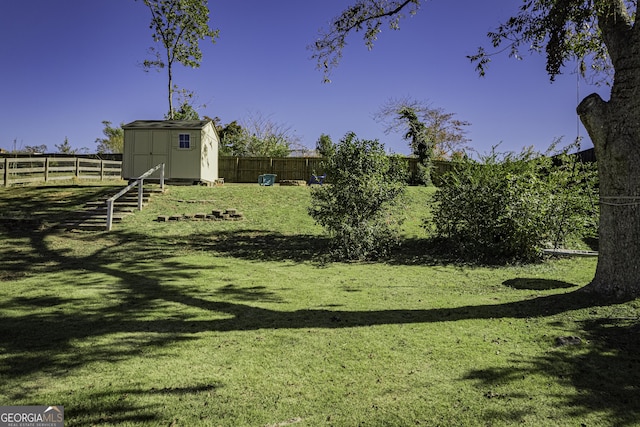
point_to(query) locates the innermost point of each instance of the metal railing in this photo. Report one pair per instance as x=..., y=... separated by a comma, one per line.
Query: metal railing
x=138, y=181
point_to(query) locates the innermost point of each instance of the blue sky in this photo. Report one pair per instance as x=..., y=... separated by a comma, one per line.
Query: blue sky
x=70, y=64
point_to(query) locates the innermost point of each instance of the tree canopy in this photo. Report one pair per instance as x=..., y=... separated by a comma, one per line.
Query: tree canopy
x=257, y=136
x=420, y=123
x=65, y=147
x=325, y=146
x=178, y=25
x=113, y=141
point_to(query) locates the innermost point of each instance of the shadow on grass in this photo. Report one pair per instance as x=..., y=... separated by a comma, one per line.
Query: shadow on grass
x=537, y=284
x=61, y=339
x=606, y=377
x=263, y=245
x=417, y=251
x=254, y=293
x=120, y=409
x=31, y=207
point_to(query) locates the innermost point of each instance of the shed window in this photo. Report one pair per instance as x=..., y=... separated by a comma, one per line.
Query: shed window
x=185, y=140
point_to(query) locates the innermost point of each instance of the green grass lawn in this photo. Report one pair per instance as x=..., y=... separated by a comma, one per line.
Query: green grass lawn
x=243, y=323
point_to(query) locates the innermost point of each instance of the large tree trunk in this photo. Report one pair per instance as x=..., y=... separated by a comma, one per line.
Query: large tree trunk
x=614, y=128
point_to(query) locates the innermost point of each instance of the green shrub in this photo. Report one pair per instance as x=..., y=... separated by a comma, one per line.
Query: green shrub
x=423, y=174
x=357, y=208
x=511, y=206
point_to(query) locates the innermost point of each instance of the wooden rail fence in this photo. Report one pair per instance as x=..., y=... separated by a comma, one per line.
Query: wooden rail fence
x=24, y=170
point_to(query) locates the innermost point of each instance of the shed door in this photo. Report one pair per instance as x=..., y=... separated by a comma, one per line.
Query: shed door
x=141, y=150
x=149, y=149
x=159, y=151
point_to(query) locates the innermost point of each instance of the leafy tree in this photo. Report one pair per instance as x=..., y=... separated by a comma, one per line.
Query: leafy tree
x=602, y=35
x=432, y=133
x=324, y=146
x=441, y=133
x=186, y=111
x=65, y=147
x=357, y=208
x=226, y=134
x=178, y=25
x=420, y=142
x=232, y=139
x=270, y=145
x=258, y=136
x=113, y=141
x=267, y=138
x=217, y=122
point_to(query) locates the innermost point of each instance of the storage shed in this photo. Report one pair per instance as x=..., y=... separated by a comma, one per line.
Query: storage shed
x=188, y=148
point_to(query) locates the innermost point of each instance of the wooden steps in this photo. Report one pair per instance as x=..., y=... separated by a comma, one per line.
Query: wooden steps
x=93, y=217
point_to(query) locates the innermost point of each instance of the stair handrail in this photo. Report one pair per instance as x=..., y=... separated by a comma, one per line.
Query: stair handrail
x=138, y=181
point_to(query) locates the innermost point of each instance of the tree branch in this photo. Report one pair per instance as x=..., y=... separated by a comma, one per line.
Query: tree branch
x=593, y=115
x=364, y=14
x=381, y=14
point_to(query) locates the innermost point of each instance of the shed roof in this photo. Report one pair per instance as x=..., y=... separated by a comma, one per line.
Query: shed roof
x=167, y=124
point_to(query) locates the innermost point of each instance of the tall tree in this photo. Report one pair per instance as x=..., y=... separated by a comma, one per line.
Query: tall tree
x=421, y=143
x=325, y=146
x=421, y=123
x=178, y=25
x=113, y=141
x=600, y=35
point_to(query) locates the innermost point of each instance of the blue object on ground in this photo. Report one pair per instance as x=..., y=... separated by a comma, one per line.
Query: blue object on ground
x=267, y=179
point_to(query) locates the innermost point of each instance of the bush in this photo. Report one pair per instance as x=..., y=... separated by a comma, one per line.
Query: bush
x=510, y=207
x=357, y=207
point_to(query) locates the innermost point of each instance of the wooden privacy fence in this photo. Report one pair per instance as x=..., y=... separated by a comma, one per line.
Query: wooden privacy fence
x=248, y=169
x=45, y=169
